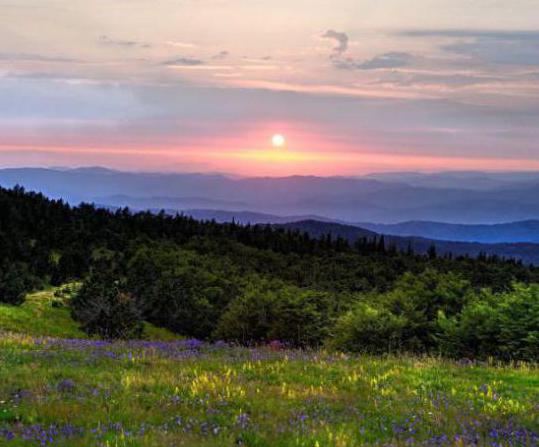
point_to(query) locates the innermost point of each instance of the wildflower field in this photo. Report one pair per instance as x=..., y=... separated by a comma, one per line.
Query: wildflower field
x=58, y=388
x=76, y=392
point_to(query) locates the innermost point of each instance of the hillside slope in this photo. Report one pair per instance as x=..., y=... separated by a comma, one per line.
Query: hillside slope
x=46, y=314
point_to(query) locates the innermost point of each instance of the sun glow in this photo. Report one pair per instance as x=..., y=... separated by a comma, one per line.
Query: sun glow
x=278, y=140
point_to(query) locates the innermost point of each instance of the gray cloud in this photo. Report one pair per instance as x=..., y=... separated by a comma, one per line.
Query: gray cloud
x=35, y=57
x=497, y=34
x=386, y=60
x=509, y=52
x=492, y=34
x=106, y=40
x=340, y=38
x=183, y=61
x=496, y=47
x=221, y=55
x=451, y=80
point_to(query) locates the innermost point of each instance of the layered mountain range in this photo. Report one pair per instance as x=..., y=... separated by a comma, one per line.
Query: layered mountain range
x=459, y=212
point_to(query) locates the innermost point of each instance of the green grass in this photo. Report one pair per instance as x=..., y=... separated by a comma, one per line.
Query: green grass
x=84, y=393
x=177, y=394
x=45, y=315
x=37, y=316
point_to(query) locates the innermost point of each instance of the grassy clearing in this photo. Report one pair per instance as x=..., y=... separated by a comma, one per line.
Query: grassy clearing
x=46, y=314
x=185, y=393
x=39, y=317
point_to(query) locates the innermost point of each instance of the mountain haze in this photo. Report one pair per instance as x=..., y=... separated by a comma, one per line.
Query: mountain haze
x=523, y=231
x=334, y=198
x=526, y=252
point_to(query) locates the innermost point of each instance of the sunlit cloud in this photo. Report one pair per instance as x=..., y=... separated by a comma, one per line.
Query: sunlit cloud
x=177, y=44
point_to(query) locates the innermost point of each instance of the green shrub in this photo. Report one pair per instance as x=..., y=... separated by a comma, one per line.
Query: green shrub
x=15, y=282
x=504, y=326
x=272, y=310
x=404, y=318
x=105, y=309
x=418, y=299
x=369, y=329
x=179, y=289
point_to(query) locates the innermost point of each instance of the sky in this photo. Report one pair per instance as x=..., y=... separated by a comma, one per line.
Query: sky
x=354, y=86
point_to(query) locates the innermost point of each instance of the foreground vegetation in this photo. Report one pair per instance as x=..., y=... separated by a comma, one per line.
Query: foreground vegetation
x=71, y=392
x=77, y=391
x=255, y=284
x=158, y=279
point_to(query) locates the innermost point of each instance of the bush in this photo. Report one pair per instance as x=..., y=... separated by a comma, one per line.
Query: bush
x=368, y=329
x=179, y=306
x=15, y=282
x=419, y=299
x=272, y=310
x=105, y=309
x=505, y=326
x=404, y=318
x=179, y=289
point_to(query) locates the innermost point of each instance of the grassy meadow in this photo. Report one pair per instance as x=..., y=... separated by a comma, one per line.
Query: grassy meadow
x=58, y=388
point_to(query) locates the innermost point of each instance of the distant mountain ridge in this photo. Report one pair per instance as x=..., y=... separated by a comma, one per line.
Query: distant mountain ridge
x=526, y=252
x=523, y=231
x=381, y=198
x=248, y=217
x=475, y=180
x=512, y=232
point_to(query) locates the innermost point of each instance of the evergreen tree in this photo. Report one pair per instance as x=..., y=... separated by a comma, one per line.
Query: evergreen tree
x=15, y=282
x=105, y=309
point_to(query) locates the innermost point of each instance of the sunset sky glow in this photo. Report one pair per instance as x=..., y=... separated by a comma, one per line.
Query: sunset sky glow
x=354, y=86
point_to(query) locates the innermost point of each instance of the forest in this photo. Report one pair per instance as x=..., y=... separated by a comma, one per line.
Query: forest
x=252, y=284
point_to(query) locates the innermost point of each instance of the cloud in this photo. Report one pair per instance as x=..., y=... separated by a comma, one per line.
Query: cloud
x=503, y=52
x=489, y=34
x=446, y=80
x=183, y=61
x=495, y=47
x=175, y=43
x=106, y=40
x=35, y=57
x=392, y=125
x=382, y=61
x=221, y=55
x=340, y=38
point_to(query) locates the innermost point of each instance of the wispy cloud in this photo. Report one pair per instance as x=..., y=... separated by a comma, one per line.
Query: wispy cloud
x=437, y=80
x=382, y=61
x=340, y=38
x=183, y=61
x=503, y=47
x=106, y=40
x=178, y=44
x=35, y=57
x=221, y=55
x=489, y=34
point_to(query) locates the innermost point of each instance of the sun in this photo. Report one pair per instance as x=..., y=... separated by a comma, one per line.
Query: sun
x=278, y=140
